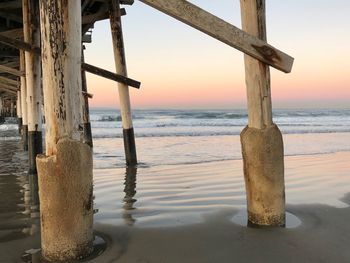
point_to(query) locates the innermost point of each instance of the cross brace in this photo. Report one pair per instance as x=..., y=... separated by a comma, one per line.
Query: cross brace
x=223, y=31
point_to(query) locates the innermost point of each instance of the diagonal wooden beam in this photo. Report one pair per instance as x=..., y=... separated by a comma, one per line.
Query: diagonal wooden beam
x=92, y=18
x=12, y=71
x=18, y=44
x=16, y=33
x=8, y=91
x=8, y=87
x=110, y=75
x=223, y=31
x=11, y=5
x=87, y=67
x=11, y=16
x=9, y=81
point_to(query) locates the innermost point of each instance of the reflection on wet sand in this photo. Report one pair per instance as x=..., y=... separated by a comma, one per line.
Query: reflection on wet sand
x=18, y=191
x=130, y=191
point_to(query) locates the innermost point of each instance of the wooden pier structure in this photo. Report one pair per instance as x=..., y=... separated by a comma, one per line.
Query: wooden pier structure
x=42, y=74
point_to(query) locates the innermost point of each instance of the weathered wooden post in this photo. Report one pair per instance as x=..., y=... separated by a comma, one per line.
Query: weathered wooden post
x=24, y=102
x=124, y=98
x=65, y=172
x=262, y=144
x=31, y=32
x=12, y=108
x=19, y=111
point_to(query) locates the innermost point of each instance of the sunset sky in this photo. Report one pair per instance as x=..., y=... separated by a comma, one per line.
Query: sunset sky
x=180, y=67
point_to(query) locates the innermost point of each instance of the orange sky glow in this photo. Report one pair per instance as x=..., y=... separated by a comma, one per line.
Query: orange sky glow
x=182, y=68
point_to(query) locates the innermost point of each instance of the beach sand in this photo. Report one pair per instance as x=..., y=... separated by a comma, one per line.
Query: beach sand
x=316, y=190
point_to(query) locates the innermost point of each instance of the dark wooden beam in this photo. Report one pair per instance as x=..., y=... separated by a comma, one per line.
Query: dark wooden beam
x=8, y=91
x=110, y=75
x=12, y=71
x=90, y=19
x=8, y=81
x=18, y=44
x=87, y=67
x=16, y=33
x=127, y=2
x=11, y=5
x=8, y=87
x=12, y=17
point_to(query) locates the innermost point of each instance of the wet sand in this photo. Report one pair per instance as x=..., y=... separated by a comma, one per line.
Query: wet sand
x=205, y=233
x=323, y=237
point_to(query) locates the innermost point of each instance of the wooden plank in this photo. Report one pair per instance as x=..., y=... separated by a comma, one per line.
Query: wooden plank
x=89, y=68
x=16, y=33
x=11, y=16
x=7, y=86
x=7, y=90
x=18, y=44
x=257, y=74
x=90, y=19
x=219, y=29
x=11, y=5
x=126, y=2
x=110, y=75
x=9, y=81
x=12, y=71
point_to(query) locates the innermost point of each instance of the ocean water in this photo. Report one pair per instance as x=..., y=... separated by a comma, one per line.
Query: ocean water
x=190, y=165
x=197, y=136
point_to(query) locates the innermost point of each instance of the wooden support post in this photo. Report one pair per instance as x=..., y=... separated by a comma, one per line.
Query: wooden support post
x=85, y=106
x=12, y=108
x=262, y=144
x=65, y=171
x=31, y=32
x=24, y=103
x=19, y=111
x=2, y=119
x=124, y=98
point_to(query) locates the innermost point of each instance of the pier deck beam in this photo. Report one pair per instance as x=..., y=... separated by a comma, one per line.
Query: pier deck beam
x=31, y=33
x=65, y=171
x=262, y=144
x=124, y=98
x=24, y=102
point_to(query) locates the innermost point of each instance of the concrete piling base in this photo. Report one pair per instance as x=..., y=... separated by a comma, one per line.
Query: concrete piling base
x=66, y=201
x=35, y=147
x=264, y=175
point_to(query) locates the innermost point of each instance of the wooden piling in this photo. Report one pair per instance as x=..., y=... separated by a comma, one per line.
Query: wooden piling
x=65, y=172
x=124, y=98
x=262, y=144
x=24, y=103
x=85, y=105
x=31, y=33
x=19, y=111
